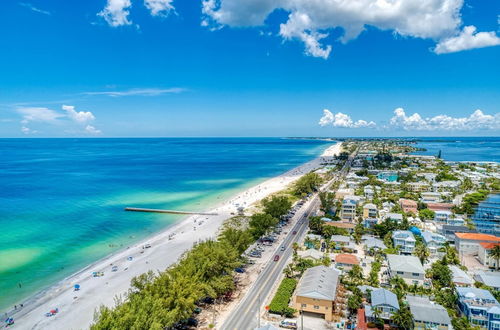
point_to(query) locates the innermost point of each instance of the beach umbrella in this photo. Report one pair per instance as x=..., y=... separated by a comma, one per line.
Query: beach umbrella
x=77, y=286
x=53, y=311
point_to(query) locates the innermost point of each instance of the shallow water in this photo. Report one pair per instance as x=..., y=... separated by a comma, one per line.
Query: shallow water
x=62, y=200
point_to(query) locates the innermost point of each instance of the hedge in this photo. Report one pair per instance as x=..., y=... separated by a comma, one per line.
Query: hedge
x=279, y=304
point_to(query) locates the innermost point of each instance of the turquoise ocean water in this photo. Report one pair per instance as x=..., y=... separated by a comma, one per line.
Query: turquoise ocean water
x=62, y=200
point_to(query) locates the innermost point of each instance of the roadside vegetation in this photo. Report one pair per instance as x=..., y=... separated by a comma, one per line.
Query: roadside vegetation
x=206, y=272
x=281, y=300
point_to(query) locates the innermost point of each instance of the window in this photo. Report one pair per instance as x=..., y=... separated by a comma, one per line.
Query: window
x=415, y=274
x=304, y=305
x=316, y=307
x=400, y=273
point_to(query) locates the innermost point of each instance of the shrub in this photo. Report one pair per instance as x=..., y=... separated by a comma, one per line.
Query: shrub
x=279, y=304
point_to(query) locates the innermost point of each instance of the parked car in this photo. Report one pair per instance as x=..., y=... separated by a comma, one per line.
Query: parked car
x=239, y=270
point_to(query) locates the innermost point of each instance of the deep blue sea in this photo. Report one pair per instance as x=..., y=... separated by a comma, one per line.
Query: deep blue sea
x=62, y=200
x=462, y=148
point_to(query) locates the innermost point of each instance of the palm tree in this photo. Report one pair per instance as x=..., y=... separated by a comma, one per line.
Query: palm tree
x=376, y=315
x=403, y=318
x=495, y=254
x=422, y=252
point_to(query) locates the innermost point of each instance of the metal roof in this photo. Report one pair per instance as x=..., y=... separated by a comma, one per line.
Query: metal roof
x=319, y=282
x=384, y=297
x=491, y=279
x=459, y=276
x=410, y=264
x=425, y=310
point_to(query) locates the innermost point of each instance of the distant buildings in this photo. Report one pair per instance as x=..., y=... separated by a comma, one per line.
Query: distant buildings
x=387, y=176
x=487, y=216
x=428, y=314
x=409, y=268
x=418, y=186
x=442, y=216
x=317, y=291
x=369, y=211
x=440, y=206
x=484, y=254
x=480, y=307
x=348, y=210
x=449, y=231
x=405, y=240
x=431, y=197
x=408, y=206
x=468, y=243
x=433, y=241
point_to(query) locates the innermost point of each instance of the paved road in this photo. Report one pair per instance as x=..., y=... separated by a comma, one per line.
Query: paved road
x=246, y=314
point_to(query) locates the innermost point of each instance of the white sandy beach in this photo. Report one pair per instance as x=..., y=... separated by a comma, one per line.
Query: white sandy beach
x=76, y=308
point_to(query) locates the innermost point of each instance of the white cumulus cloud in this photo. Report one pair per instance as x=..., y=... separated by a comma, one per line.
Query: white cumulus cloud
x=116, y=12
x=476, y=121
x=469, y=38
x=341, y=120
x=65, y=117
x=311, y=20
x=38, y=114
x=78, y=116
x=92, y=130
x=159, y=7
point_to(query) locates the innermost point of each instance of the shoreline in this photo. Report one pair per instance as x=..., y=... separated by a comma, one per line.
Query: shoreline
x=77, y=307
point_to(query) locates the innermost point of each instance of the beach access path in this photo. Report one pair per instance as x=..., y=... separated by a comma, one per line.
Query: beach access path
x=76, y=308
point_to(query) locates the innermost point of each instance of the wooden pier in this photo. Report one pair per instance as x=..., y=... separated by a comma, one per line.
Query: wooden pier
x=138, y=209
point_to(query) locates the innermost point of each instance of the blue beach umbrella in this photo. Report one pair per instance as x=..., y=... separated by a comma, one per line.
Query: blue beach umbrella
x=77, y=286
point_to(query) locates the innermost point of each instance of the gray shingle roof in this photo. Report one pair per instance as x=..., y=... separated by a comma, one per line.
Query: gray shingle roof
x=410, y=264
x=384, y=297
x=425, y=310
x=319, y=282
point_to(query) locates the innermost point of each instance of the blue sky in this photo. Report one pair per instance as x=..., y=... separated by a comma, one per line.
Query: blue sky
x=249, y=68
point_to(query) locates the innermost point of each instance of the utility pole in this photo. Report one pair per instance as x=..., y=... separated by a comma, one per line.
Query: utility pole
x=301, y=319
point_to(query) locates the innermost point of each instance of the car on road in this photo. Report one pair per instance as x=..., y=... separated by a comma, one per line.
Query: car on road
x=294, y=232
x=283, y=248
x=276, y=257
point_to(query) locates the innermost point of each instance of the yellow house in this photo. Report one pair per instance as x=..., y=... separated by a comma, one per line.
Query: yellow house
x=316, y=291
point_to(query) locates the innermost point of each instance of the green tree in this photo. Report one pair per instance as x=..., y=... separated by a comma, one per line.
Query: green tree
x=261, y=223
x=495, y=254
x=356, y=275
x=426, y=214
x=441, y=275
x=307, y=184
x=327, y=200
x=403, y=318
x=236, y=238
x=315, y=223
x=422, y=252
x=355, y=300
x=276, y=206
